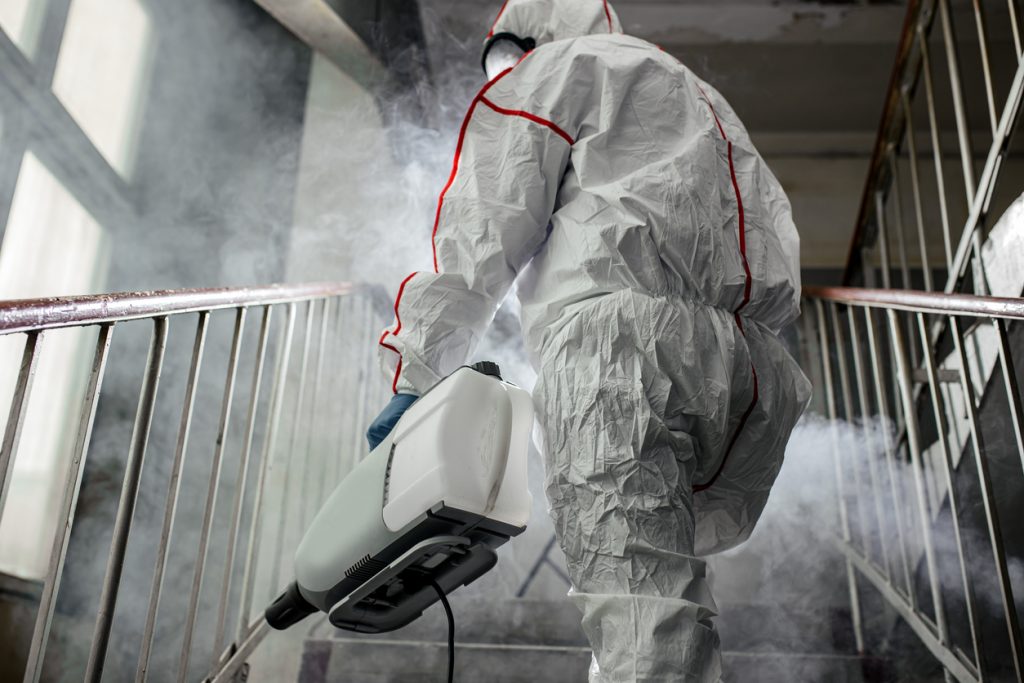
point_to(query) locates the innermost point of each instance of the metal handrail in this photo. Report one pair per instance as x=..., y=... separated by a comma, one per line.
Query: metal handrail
x=24, y=315
x=339, y=319
x=917, y=301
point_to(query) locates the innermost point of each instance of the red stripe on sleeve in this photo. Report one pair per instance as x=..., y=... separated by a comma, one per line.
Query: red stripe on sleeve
x=748, y=280
x=530, y=117
x=607, y=14
x=458, y=154
x=394, y=332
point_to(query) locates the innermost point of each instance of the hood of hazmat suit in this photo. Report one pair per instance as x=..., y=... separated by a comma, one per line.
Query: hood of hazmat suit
x=656, y=260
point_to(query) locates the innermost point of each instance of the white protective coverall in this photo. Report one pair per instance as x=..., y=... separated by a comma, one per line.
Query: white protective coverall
x=655, y=260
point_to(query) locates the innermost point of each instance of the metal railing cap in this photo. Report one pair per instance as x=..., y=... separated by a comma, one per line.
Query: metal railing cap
x=922, y=302
x=24, y=315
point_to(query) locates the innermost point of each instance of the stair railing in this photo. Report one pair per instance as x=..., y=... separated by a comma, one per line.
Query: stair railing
x=885, y=249
x=313, y=374
x=908, y=517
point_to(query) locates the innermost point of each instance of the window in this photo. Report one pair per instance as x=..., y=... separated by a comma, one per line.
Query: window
x=101, y=72
x=51, y=246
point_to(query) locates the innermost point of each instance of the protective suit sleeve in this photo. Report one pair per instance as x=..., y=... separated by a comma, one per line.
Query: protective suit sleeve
x=492, y=217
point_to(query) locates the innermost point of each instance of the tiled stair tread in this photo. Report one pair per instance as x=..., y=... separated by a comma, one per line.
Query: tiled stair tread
x=743, y=628
x=351, y=660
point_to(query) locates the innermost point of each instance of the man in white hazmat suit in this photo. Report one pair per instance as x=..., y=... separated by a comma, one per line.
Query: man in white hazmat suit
x=656, y=260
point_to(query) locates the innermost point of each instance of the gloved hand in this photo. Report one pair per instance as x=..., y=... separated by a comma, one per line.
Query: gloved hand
x=386, y=421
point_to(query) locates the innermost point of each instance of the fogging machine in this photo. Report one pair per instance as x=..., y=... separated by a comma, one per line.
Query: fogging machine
x=423, y=513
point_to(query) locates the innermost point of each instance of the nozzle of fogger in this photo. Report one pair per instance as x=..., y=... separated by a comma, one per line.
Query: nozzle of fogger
x=288, y=609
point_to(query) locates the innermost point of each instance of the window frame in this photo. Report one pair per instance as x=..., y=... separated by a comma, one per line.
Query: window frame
x=35, y=120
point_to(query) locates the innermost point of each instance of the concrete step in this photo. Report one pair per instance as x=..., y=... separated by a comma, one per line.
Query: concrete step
x=359, y=660
x=743, y=628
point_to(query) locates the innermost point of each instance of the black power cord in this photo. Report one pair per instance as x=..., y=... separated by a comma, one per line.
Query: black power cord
x=451, y=630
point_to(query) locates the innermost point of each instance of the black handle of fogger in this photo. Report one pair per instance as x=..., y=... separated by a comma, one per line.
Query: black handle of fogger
x=288, y=609
x=486, y=367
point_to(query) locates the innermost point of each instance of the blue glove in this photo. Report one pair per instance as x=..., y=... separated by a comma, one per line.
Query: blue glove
x=386, y=421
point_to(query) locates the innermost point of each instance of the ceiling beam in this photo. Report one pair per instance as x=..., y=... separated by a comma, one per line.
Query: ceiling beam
x=319, y=25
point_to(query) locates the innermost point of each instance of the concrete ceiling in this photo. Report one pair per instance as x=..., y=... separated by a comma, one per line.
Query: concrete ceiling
x=804, y=76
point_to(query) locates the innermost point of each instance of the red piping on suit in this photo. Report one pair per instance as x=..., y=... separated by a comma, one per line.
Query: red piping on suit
x=746, y=297
x=398, y=328
x=480, y=97
x=458, y=153
x=530, y=117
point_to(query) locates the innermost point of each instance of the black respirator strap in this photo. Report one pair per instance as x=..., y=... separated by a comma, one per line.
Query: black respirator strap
x=524, y=44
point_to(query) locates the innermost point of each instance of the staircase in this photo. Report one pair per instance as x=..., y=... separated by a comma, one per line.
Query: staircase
x=540, y=641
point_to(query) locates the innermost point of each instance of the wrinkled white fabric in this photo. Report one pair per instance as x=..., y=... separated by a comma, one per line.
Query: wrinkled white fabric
x=655, y=260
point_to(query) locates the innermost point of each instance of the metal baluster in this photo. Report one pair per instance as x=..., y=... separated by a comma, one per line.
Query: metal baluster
x=865, y=411
x=933, y=124
x=914, y=446
x=337, y=406
x=867, y=268
x=278, y=556
x=915, y=185
x=284, y=352
x=979, y=21
x=1012, y=389
x=959, y=111
x=988, y=501
x=316, y=408
x=242, y=477
x=883, y=409
x=211, y=495
x=901, y=241
x=954, y=498
x=844, y=518
x=126, y=504
x=16, y=415
x=369, y=382
x=359, y=386
x=173, y=489
x=883, y=238
x=69, y=503
x=1014, y=26
x=844, y=384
